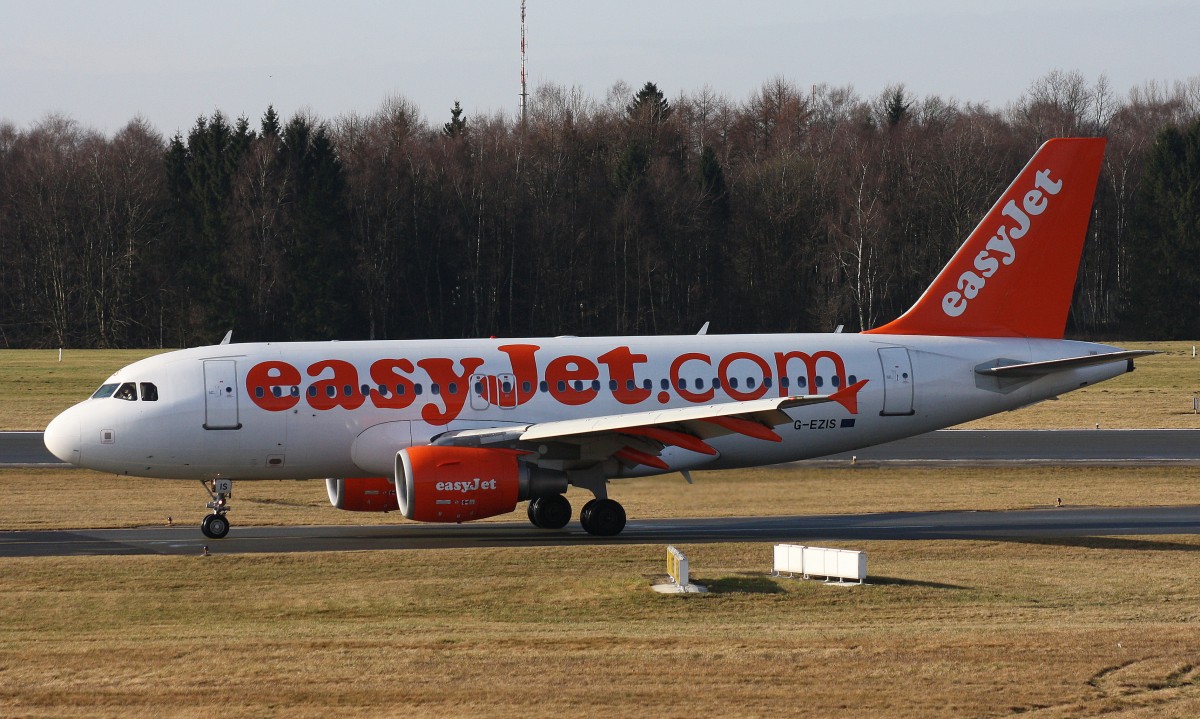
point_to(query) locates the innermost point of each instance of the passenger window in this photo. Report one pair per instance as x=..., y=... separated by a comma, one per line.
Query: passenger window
x=127, y=392
x=453, y=387
x=435, y=388
x=543, y=387
x=258, y=392
x=149, y=392
x=526, y=387
x=312, y=390
x=837, y=381
x=852, y=379
x=106, y=390
x=820, y=381
x=749, y=383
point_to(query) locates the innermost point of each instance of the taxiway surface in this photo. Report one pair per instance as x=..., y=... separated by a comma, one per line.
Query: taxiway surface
x=1047, y=524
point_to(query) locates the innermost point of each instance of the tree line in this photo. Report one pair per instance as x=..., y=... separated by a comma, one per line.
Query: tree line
x=793, y=210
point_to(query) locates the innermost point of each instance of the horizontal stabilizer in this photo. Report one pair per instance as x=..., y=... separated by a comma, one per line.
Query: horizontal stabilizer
x=1039, y=369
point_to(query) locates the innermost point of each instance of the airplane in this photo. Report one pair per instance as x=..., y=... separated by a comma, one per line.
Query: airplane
x=460, y=430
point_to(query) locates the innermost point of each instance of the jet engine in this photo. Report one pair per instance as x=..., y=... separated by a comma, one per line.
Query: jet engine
x=362, y=494
x=459, y=484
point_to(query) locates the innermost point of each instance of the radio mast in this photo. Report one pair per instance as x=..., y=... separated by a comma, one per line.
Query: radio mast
x=524, y=94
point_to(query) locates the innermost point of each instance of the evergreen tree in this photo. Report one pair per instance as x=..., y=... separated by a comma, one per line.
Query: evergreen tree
x=270, y=123
x=897, y=107
x=1164, y=265
x=319, y=255
x=457, y=125
x=649, y=104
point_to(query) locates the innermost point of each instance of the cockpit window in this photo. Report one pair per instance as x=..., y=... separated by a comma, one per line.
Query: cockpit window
x=106, y=390
x=149, y=392
x=127, y=391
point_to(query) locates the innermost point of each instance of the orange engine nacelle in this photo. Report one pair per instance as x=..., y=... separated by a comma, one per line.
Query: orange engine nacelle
x=459, y=484
x=363, y=494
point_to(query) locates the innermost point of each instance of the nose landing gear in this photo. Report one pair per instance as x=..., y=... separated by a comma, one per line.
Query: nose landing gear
x=216, y=525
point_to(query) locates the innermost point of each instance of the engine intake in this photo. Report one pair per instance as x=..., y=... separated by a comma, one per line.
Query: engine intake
x=460, y=484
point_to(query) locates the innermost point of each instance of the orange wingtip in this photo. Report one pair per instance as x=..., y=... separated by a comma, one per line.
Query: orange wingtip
x=848, y=396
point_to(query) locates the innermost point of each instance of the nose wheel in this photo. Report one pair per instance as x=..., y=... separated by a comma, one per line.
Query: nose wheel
x=216, y=525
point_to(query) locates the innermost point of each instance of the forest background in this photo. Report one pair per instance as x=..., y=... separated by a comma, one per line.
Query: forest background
x=793, y=210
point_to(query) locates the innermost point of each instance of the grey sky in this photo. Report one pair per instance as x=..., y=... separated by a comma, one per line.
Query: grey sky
x=102, y=63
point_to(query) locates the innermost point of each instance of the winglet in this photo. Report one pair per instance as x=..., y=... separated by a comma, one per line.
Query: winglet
x=1015, y=274
x=848, y=396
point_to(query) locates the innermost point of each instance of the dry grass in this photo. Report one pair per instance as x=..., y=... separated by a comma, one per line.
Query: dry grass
x=947, y=629
x=34, y=387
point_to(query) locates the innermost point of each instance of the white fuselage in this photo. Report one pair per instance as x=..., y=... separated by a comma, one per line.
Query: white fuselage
x=344, y=409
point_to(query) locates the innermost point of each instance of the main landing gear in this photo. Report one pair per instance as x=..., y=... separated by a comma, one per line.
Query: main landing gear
x=602, y=517
x=216, y=525
x=550, y=512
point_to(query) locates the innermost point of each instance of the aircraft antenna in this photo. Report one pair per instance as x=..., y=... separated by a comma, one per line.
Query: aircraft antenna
x=524, y=94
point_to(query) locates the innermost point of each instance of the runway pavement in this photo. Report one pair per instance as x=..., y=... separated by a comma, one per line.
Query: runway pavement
x=985, y=446
x=1049, y=524
x=1054, y=446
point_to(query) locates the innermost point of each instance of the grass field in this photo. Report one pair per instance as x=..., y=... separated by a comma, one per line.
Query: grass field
x=1056, y=628
x=1050, y=629
x=1068, y=628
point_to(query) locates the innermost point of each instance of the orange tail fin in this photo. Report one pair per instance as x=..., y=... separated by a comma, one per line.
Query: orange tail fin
x=1015, y=274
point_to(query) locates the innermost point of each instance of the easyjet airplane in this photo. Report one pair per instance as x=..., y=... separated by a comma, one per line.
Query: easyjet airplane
x=457, y=430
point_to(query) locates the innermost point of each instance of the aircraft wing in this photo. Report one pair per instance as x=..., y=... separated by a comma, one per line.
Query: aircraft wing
x=641, y=437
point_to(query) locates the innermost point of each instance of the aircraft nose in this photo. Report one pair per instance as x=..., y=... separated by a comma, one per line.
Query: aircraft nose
x=62, y=437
